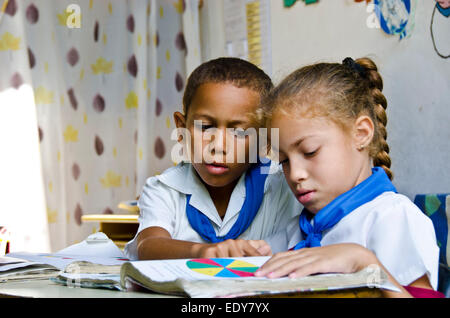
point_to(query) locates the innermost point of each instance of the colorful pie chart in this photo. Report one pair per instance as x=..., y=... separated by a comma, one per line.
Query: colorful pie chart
x=222, y=267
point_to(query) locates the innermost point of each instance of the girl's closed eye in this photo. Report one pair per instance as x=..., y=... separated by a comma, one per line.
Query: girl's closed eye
x=310, y=154
x=284, y=161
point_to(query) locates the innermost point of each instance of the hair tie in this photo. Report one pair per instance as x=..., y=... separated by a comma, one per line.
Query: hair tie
x=355, y=66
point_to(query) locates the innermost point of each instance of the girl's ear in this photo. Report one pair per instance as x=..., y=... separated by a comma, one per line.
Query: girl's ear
x=363, y=132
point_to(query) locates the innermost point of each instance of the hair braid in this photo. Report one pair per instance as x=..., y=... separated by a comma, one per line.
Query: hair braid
x=380, y=152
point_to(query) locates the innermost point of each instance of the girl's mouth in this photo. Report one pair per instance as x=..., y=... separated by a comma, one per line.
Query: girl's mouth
x=305, y=196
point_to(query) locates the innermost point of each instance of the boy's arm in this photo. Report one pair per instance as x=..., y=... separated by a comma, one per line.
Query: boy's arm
x=156, y=243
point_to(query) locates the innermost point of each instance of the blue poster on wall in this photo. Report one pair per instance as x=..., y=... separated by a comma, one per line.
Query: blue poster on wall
x=395, y=16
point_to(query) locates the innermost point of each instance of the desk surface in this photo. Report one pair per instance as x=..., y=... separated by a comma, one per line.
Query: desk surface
x=48, y=289
x=111, y=218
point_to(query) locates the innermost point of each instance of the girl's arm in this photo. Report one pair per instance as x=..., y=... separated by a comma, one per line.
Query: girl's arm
x=338, y=258
x=156, y=243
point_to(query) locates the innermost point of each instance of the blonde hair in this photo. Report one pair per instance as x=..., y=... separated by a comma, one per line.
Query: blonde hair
x=340, y=92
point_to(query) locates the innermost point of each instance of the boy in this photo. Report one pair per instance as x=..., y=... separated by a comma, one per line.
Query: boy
x=220, y=205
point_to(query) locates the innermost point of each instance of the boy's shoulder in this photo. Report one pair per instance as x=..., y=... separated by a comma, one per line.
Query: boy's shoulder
x=275, y=179
x=176, y=178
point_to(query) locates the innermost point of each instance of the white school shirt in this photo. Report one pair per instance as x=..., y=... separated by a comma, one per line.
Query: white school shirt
x=395, y=229
x=163, y=204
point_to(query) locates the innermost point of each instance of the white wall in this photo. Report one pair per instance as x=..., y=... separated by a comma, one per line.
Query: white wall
x=416, y=79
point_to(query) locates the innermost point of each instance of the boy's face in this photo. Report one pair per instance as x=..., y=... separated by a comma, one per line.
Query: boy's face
x=216, y=119
x=444, y=3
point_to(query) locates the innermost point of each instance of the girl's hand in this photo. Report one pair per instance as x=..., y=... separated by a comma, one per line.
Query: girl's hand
x=337, y=258
x=233, y=248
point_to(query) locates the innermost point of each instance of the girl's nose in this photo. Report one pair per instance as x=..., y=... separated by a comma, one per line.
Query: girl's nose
x=297, y=172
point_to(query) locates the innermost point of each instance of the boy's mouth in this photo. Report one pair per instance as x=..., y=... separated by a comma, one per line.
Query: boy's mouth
x=216, y=168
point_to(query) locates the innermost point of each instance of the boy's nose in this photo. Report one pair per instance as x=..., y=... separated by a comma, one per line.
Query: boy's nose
x=219, y=143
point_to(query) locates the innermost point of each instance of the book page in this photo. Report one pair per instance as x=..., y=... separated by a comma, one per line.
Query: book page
x=314, y=283
x=234, y=277
x=61, y=261
x=200, y=269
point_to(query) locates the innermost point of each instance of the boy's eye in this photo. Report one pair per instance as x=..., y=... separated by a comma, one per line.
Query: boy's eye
x=239, y=132
x=203, y=126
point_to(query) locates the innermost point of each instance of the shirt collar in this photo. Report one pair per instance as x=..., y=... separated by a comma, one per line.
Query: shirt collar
x=184, y=179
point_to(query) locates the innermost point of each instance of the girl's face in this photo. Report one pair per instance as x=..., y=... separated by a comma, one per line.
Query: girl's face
x=217, y=119
x=320, y=160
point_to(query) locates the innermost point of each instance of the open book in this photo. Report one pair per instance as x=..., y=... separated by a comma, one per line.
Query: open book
x=234, y=277
x=12, y=268
x=26, y=266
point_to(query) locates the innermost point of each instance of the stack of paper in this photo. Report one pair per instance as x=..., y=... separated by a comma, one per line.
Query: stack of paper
x=12, y=268
x=97, y=255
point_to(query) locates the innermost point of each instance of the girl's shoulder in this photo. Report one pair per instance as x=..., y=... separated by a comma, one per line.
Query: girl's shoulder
x=395, y=208
x=389, y=201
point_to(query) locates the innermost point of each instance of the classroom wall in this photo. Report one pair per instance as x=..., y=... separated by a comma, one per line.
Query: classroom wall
x=416, y=79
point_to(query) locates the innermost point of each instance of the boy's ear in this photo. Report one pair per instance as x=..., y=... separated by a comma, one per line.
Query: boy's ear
x=363, y=131
x=180, y=120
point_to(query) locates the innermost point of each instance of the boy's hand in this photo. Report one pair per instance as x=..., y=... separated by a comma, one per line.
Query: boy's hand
x=261, y=246
x=233, y=248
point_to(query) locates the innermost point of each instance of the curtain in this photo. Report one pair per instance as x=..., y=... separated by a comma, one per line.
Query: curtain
x=107, y=77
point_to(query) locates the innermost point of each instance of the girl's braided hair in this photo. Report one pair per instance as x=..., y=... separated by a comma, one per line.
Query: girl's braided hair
x=341, y=92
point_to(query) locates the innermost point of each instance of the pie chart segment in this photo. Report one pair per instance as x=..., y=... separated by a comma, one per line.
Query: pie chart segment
x=221, y=267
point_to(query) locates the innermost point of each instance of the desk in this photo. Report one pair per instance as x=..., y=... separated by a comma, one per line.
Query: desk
x=48, y=289
x=119, y=228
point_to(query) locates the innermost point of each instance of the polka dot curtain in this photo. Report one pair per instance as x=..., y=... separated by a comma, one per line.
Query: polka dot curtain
x=105, y=91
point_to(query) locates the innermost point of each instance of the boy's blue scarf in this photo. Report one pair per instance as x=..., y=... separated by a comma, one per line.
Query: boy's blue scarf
x=444, y=12
x=333, y=212
x=254, y=193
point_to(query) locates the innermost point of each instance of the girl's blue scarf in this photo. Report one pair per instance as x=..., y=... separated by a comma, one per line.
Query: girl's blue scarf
x=254, y=193
x=333, y=212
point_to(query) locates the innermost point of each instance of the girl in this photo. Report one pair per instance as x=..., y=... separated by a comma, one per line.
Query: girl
x=335, y=157
x=219, y=206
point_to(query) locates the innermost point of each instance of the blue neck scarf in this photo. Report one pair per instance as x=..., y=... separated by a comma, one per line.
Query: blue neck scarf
x=254, y=193
x=444, y=12
x=333, y=212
